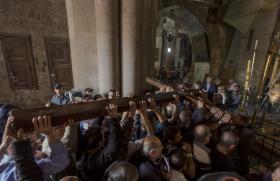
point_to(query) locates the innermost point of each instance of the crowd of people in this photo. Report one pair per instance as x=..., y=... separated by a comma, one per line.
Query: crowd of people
x=172, y=142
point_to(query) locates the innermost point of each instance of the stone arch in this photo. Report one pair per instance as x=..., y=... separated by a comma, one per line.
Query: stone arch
x=188, y=24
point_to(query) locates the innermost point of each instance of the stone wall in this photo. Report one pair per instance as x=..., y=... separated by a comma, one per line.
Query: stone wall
x=82, y=34
x=239, y=55
x=38, y=18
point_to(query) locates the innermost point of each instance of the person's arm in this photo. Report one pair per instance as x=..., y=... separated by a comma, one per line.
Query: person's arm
x=145, y=119
x=70, y=137
x=6, y=140
x=115, y=146
x=153, y=107
x=160, y=116
x=26, y=167
x=131, y=112
x=58, y=159
x=127, y=123
x=175, y=114
x=114, y=136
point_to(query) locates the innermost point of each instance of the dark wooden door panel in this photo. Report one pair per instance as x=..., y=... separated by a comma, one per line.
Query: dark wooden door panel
x=19, y=61
x=62, y=76
x=59, y=60
x=21, y=73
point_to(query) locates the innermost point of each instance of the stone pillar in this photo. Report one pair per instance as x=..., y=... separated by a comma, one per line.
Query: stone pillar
x=129, y=14
x=138, y=24
x=107, y=39
x=177, y=52
x=148, y=22
x=82, y=35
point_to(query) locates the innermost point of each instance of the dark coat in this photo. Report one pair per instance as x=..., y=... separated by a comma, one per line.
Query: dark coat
x=222, y=163
x=148, y=171
x=27, y=168
x=92, y=166
x=210, y=91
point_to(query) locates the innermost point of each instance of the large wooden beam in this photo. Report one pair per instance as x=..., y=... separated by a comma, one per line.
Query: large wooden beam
x=194, y=95
x=82, y=111
x=154, y=82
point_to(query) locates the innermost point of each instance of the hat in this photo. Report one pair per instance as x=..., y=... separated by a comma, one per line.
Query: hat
x=88, y=89
x=57, y=86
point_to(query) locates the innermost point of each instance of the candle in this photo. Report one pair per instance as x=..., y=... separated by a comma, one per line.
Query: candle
x=247, y=78
x=253, y=62
x=275, y=69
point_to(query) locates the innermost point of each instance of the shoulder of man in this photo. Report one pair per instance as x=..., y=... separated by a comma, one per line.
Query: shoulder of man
x=54, y=97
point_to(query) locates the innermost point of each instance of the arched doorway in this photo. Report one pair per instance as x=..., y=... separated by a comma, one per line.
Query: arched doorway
x=181, y=45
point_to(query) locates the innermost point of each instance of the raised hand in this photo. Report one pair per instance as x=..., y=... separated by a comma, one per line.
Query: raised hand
x=42, y=124
x=177, y=99
x=70, y=123
x=170, y=89
x=132, y=109
x=10, y=132
x=153, y=105
x=6, y=139
x=143, y=107
x=218, y=114
x=162, y=88
x=112, y=111
x=226, y=118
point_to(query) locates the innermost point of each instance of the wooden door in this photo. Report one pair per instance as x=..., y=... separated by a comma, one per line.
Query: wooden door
x=19, y=61
x=59, y=60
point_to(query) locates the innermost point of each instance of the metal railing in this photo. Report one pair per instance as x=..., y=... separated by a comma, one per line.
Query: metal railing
x=270, y=113
x=265, y=152
x=267, y=148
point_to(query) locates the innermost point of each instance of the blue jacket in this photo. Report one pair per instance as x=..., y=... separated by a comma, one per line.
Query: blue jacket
x=24, y=167
x=212, y=88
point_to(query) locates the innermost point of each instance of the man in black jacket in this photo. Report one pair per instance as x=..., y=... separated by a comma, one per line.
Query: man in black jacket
x=97, y=158
x=222, y=157
x=150, y=162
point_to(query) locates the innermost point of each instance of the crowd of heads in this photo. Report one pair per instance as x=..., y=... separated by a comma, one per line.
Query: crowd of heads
x=178, y=141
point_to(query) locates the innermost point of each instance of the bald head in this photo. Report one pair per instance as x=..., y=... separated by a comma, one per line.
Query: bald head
x=169, y=110
x=228, y=139
x=151, y=142
x=152, y=147
x=229, y=178
x=70, y=178
x=121, y=171
x=202, y=134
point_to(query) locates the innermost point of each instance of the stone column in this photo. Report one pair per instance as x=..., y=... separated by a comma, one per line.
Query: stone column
x=148, y=17
x=138, y=24
x=107, y=39
x=129, y=14
x=82, y=31
x=177, y=52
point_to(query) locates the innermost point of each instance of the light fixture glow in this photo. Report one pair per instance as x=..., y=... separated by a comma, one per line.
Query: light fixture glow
x=168, y=49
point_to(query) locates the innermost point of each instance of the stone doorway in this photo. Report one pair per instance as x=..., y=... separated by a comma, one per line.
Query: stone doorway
x=181, y=42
